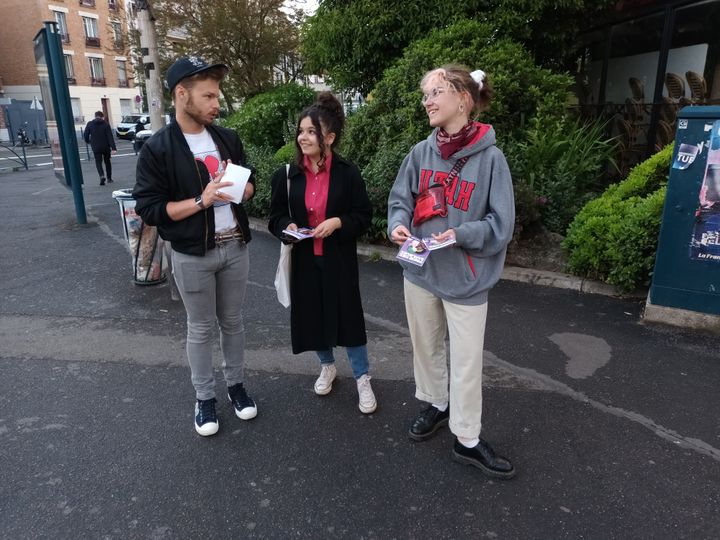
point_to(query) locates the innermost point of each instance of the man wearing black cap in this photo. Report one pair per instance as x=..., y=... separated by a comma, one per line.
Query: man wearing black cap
x=179, y=175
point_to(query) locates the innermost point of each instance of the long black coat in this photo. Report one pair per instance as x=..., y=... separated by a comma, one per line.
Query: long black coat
x=326, y=309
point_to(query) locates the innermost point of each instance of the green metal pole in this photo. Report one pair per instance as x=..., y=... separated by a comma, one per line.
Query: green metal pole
x=63, y=115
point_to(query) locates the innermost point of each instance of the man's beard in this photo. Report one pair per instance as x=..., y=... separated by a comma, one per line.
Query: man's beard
x=192, y=111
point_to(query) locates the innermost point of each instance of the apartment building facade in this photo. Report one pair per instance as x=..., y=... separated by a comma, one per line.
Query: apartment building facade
x=96, y=48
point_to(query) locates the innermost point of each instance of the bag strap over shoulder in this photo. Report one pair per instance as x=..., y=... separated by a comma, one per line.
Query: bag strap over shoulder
x=287, y=176
x=455, y=170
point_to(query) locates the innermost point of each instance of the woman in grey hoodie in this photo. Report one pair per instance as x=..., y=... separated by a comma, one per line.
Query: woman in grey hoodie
x=448, y=293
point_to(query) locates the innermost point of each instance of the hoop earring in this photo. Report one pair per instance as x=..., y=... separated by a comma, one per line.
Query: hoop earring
x=462, y=108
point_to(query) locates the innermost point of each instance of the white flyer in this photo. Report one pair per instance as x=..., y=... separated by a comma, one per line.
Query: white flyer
x=239, y=176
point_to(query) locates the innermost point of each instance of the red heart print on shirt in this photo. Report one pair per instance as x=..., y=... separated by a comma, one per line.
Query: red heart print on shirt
x=212, y=163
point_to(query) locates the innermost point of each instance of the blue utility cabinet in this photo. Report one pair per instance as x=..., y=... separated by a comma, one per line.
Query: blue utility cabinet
x=687, y=265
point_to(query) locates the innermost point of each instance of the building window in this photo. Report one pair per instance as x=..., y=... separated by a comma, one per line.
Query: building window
x=69, y=70
x=92, y=37
x=125, y=107
x=117, y=35
x=76, y=110
x=97, y=74
x=122, y=74
x=62, y=26
x=87, y=3
x=112, y=4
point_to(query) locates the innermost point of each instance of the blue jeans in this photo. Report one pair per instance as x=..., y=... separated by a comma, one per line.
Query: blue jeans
x=358, y=357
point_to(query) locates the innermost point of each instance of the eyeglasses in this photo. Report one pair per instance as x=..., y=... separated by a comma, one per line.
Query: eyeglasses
x=434, y=93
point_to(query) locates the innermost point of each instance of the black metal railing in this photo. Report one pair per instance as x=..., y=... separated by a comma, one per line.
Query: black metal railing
x=71, y=80
x=98, y=81
x=65, y=38
x=123, y=83
x=92, y=41
x=87, y=3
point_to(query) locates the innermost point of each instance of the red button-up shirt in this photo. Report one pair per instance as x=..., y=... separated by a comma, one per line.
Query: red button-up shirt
x=316, y=195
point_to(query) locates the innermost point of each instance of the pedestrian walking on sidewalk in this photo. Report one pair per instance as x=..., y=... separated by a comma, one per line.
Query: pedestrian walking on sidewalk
x=324, y=192
x=98, y=134
x=465, y=177
x=179, y=178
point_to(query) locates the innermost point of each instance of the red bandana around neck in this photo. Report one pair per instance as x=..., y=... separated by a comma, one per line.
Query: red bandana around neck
x=449, y=144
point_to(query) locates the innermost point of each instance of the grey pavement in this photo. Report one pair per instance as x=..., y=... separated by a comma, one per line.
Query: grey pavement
x=614, y=425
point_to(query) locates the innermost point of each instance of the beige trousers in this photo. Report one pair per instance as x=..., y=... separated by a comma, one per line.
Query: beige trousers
x=430, y=319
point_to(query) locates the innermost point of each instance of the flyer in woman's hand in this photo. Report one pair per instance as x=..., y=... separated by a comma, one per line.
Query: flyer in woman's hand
x=413, y=251
x=433, y=244
x=300, y=234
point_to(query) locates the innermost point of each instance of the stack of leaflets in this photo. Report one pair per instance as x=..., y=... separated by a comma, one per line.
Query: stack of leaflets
x=301, y=234
x=417, y=250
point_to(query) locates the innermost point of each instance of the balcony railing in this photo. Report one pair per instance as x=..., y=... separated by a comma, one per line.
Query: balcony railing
x=71, y=80
x=123, y=83
x=97, y=81
x=87, y=3
x=65, y=38
x=112, y=4
x=92, y=41
x=119, y=44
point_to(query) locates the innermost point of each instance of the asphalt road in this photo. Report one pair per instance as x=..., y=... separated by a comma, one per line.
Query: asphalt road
x=614, y=426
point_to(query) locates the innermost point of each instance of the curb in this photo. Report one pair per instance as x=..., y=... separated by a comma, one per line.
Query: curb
x=532, y=276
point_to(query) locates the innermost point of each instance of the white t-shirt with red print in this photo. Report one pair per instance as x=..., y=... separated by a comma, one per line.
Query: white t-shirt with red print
x=204, y=149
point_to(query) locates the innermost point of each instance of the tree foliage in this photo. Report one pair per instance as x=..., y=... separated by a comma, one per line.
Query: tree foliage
x=249, y=36
x=268, y=120
x=355, y=41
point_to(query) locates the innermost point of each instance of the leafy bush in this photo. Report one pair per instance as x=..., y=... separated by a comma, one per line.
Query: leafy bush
x=563, y=162
x=614, y=237
x=286, y=154
x=265, y=162
x=268, y=118
x=382, y=132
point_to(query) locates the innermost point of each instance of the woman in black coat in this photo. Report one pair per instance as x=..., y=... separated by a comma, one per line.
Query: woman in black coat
x=327, y=194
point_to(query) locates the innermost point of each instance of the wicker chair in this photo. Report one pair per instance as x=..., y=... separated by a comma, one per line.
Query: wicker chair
x=698, y=87
x=664, y=135
x=675, y=86
x=637, y=88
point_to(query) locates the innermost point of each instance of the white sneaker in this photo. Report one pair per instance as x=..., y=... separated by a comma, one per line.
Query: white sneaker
x=367, y=402
x=323, y=385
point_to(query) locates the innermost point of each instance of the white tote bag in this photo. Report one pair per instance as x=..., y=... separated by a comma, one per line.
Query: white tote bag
x=282, y=274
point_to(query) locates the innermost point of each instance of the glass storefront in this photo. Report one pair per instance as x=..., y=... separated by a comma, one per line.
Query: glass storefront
x=638, y=71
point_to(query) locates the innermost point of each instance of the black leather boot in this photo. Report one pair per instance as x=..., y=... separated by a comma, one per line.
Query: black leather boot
x=428, y=422
x=484, y=458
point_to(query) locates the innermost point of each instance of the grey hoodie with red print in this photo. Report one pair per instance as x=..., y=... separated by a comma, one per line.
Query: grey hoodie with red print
x=481, y=210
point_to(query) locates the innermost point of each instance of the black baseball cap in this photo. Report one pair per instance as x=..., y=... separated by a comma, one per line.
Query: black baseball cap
x=185, y=67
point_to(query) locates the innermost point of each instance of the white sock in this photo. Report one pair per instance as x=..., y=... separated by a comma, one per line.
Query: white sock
x=472, y=443
x=442, y=407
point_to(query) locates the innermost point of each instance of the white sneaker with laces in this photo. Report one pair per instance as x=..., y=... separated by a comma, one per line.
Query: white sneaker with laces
x=323, y=385
x=367, y=403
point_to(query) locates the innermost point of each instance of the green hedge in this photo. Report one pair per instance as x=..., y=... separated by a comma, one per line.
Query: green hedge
x=614, y=237
x=269, y=119
x=265, y=162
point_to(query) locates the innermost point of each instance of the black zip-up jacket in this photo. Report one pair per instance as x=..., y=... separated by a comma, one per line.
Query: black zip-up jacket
x=167, y=171
x=98, y=134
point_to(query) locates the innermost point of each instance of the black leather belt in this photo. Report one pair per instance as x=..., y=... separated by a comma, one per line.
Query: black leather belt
x=229, y=236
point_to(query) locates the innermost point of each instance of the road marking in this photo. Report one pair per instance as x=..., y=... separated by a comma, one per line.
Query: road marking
x=43, y=190
x=549, y=384
x=107, y=230
x=560, y=388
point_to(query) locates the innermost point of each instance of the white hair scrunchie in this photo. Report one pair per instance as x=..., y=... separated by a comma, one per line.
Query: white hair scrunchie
x=478, y=76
